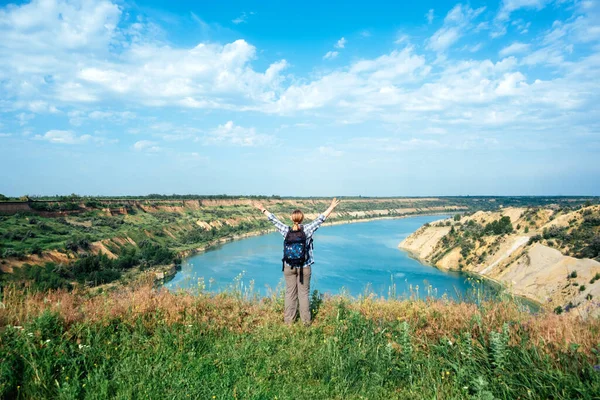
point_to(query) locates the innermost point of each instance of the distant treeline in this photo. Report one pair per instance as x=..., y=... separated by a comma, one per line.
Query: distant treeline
x=154, y=196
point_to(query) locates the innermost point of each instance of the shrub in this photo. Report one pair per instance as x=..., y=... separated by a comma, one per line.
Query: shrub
x=40, y=278
x=499, y=227
x=558, y=310
x=581, y=288
x=534, y=239
x=12, y=253
x=36, y=249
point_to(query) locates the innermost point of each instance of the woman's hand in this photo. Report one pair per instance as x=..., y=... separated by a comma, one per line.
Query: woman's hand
x=334, y=204
x=259, y=206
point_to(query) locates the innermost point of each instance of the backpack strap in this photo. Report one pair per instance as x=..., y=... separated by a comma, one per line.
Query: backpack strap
x=302, y=275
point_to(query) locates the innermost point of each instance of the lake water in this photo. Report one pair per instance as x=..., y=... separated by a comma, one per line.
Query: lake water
x=349, y=258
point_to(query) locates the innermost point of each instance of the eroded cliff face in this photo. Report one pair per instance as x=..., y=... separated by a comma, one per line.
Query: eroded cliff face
x=532, y=260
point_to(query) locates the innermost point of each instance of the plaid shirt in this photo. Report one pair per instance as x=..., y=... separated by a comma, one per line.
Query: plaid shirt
x=309, y=230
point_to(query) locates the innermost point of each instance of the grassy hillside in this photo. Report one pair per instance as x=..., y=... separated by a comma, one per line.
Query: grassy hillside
x=143, y=343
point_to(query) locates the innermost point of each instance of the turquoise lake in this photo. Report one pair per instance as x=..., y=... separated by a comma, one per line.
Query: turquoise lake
x=349, y=258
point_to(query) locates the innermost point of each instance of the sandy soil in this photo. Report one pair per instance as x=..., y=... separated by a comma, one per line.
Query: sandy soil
x=534, y=271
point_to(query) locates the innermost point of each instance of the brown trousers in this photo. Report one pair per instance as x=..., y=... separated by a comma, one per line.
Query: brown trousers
x=296, y=293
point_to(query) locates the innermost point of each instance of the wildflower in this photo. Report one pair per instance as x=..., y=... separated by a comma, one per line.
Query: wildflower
x=447, y=372
x=450, y=342
x=30, y=334
x=67, y=378
x=597, y=368
x=47, y=340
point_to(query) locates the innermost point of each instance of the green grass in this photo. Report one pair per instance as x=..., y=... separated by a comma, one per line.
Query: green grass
x=226, y=347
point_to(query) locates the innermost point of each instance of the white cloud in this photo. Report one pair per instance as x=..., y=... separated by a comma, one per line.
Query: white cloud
x=110, y=114
x=402, y=38
x=457, y=22
x=473, y=48
x=236, y=135
x=63, y=137
x=340, y=43
x=365, y=33
x=41, y=107
x=444, y=38
x=521, y=26
x=509, y=6
x=429, y=16
x=392, y=145
x=5, y=134
x=330, y=55
x=24, y=118
x=330, y=151
x=57, y=52
x=242, y=18
x=147, y=146
x=114, y=64
x=514, y=48
x=352, y=87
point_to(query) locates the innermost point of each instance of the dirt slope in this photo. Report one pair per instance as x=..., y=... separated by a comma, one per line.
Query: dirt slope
x=530, y=268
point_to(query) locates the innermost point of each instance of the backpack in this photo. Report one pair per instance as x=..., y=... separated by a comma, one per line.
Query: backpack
x=295, y=250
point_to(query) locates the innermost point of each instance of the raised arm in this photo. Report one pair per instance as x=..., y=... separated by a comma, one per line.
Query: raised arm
x=281, y=227
x=334, y=204
x=310, y=228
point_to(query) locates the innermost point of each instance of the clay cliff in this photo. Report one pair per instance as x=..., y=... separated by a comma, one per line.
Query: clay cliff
x=535, y=253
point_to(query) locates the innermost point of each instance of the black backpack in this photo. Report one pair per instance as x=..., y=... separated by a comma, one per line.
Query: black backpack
x=295, y=250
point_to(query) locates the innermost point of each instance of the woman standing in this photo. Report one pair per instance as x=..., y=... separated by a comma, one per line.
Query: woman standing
x=298, y=259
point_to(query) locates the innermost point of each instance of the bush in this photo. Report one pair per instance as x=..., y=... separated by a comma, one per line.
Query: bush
x=499, y=227
x=534, y=239
x=558, y=310
x=40, y=278
x=77, y=243
x=12, y=253
x=36, y=249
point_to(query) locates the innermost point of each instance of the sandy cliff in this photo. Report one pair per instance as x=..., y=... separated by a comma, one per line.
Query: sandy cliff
x=538, y=268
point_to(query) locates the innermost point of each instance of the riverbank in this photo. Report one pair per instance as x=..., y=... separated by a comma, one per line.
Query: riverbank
x=497, y=285
x=521, y=259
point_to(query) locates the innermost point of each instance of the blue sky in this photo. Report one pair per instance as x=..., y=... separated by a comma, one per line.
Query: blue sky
x=309, y=98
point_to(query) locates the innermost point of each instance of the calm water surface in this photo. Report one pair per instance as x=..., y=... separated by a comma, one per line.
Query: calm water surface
x=348, y=258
